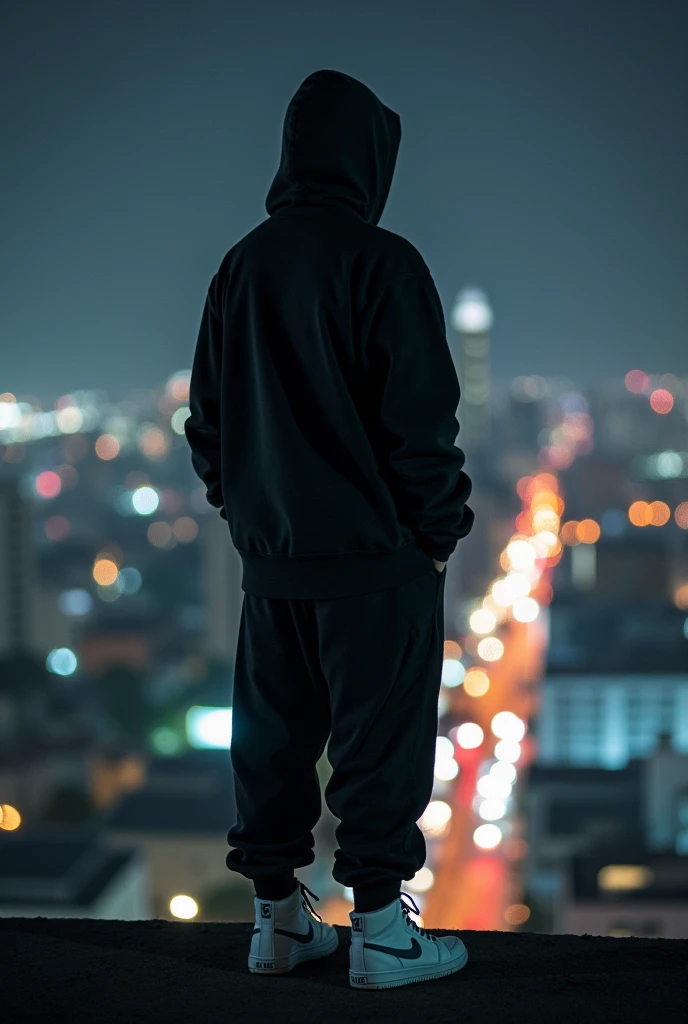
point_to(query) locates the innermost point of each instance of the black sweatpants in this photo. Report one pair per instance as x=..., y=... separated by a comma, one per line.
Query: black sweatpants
x=363, y=672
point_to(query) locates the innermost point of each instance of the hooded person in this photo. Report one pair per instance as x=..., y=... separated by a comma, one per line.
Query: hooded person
x=323, y=395
x=323, y=399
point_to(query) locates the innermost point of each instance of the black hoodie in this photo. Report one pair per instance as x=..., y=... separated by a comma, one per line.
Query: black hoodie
x=323, y=393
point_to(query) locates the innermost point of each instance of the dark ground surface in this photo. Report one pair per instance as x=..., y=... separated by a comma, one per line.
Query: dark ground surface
x=81, y=970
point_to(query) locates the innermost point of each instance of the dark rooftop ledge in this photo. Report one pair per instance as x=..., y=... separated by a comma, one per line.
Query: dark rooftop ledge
x=80, y=970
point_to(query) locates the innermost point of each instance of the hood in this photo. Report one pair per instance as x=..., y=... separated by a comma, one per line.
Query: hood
x=339, y=148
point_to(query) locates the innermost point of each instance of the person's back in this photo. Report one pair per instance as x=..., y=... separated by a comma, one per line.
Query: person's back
x=323, y=400
x=323, y=394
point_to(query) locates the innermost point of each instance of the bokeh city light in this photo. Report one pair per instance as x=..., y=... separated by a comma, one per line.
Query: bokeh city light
x=10, y=818
x=183, y=907
x=469, y=735
x=169, y=549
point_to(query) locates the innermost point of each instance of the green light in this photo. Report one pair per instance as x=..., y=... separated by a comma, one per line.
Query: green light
x=165, y=741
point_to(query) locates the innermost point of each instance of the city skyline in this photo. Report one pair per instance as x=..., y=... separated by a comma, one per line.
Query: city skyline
x=540, y=161
x=415, y=619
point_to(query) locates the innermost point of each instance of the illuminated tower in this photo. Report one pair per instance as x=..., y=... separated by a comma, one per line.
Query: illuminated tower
x=472, y=318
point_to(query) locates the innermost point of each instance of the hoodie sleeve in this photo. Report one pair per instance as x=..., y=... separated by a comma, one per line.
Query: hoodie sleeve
x=413, y=388
x=202, y=426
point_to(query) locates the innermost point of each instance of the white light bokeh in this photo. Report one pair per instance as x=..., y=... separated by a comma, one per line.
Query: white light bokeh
x=453, y=672
x=421, y=881
x=145, y=500
x=507, y=750
x=504, y=771
x=490, y=648
x=493, y=788
x=69, y=420
x=178, y=419
x=486, y=837
x=508, y=726
x=526, y=609
x=482, y=621
x=492, y=810
x=435, y=819
x=520, y=553
x=446, y=767
x=183, y=907
x=469, y=735
x=502, y=592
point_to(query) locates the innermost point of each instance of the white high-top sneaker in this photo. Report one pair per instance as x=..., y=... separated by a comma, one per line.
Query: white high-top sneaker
x=389, y=949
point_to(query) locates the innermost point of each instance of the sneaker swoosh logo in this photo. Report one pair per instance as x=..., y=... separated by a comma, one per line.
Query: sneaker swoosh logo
x=295, y=935
x=411, y=953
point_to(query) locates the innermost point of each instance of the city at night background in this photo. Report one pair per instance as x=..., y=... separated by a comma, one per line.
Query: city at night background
x=542, y=176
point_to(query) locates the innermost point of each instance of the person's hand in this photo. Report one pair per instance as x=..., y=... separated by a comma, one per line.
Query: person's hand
x=439, y=565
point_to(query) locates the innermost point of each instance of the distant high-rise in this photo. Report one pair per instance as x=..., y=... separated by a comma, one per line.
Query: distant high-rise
x=222, y=593
x=17, y=570
x=605, y=719
x=472, y=318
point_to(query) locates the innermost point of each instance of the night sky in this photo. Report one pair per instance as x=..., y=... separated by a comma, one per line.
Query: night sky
x=544, y=158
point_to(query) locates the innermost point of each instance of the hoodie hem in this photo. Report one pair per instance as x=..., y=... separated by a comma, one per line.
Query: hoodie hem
x=328, y=576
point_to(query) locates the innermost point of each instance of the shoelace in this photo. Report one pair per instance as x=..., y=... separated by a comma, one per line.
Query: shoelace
x=406, y=910
x=306, y=903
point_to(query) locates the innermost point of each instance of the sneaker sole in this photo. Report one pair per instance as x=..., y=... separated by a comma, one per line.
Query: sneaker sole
x=405, y=976
x=282, y=965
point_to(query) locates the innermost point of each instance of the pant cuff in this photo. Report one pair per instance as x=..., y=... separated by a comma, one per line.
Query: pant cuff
x=275, y=887
x=371, y=898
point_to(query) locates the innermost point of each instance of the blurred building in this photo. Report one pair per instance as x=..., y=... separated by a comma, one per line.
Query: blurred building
x=490, y=463
x=61, y=874
x=30, y=615
x=520, y=415
x=222, y=594
x=617, y=661
x=471, y=318
x=567, y=808
x=641, y=568
x=118, y=642
x=596, y=483
x=665, y=799
x=113, y=774
x=606, y=718
x=18, y=572
x=626, y=424
x=30, y=777
x=608, y=849
x=179, y=822
x=626, y=890
x=52, y=629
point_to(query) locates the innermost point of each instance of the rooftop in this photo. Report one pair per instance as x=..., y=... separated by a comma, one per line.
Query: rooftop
x=186, y=972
